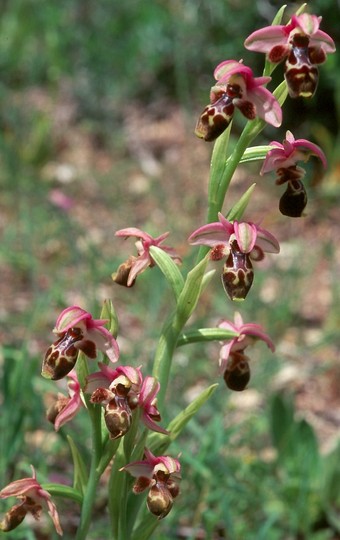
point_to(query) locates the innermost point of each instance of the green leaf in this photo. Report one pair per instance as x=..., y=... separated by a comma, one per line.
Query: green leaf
x=191, y=291
x=205, y=334
x=108, y=312
x=158, y=443
x=82, y=369
x=255, y=153
x=59, y=490
x=80, y=476
x=169, y=269
x=207, y=278
x=145, y=528
x=237, y=211
x=281, y=92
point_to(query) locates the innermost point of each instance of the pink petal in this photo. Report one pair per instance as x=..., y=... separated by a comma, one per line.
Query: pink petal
x=267, y=106
x=212, y=234
x=133, y=374
x=138, y=267
x=105, y=342
x=267, y=241
x=309, y=24
x=151, y=424
x=171, y=464
x=246, y=234
x=133, y=231
x=150, y=388
x=275, y=159
x=68, y=412
x=157, y=241
x=255, y=330
x=264, y=39
x=226, y=69
x=52, y=510
x=139, y=468
x=312, y=148
x=323, y=40
x=70, y=317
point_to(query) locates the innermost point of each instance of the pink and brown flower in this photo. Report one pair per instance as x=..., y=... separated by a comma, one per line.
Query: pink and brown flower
x=236, y=87
x=233, y=361
x=34, y=499
x=129, y=270
x=161, y=476
x=77, y=331
x=282, y=159
x=301, y=44
x=239, y=243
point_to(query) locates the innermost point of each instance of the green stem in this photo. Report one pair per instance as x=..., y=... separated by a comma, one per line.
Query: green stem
x=94, y=476
x=164, y=353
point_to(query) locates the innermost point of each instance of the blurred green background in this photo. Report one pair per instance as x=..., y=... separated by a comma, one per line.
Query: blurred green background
x=98, y=101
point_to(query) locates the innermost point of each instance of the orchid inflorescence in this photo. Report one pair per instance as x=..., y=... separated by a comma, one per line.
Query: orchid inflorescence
x=123, y=404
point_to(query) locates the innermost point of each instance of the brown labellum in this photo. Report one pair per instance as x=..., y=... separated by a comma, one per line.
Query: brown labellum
x=61, y=356
x=294, y=199
x=300, y=73
x=159, y=500
x=238, y=275
x=117, y=417
x=237, y=374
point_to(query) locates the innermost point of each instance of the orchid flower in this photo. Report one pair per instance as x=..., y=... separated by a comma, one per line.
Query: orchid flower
x=33, y=500
x=282, y=158
x=236, y=87
x=233, y=361
x=77, y=331
x=111, y=388
x=302, y=44
x=65, y=408
x=121, y=391
x=128, y=271
x=161, y=475
x=239, y=243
